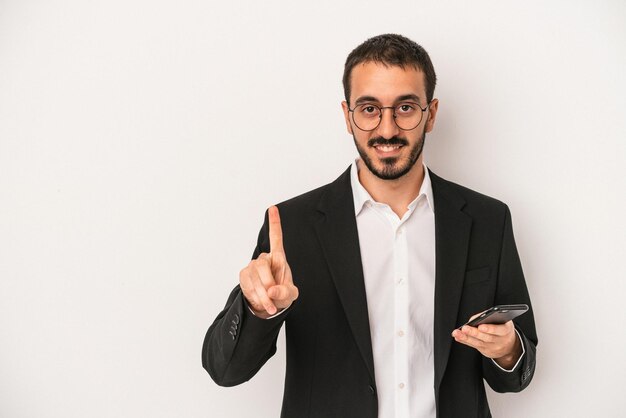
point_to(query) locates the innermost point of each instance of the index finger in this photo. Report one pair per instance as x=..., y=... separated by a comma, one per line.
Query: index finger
x=276, y=230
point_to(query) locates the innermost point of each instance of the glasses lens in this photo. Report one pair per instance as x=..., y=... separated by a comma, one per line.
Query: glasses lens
x=366, y=117
x=408, y=116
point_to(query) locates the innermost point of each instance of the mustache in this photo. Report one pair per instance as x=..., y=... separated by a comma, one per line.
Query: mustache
x=395, y=140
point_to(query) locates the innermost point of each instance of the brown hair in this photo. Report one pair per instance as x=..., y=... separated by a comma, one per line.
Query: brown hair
x=391, y=50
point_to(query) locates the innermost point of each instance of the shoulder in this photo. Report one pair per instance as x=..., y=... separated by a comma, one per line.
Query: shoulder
x=473, y=202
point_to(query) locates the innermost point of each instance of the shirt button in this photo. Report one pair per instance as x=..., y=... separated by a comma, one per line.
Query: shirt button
x=400, y=231
x=400, y=333
x=400, y=280
x=401, y=385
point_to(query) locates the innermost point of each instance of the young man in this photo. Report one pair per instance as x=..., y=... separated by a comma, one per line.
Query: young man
x=373, y=273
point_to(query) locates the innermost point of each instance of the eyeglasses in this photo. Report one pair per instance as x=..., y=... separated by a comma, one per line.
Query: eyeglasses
x=407, y=115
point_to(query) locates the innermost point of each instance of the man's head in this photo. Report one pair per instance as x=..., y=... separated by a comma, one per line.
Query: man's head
x=389, y=82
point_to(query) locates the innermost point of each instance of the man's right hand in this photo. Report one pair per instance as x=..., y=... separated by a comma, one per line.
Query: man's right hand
x=266, y=282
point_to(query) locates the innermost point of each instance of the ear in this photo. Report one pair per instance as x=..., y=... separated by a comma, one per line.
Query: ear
x=432, y=115
x=346, y=115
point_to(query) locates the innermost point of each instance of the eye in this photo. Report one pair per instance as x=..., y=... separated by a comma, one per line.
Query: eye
x=369, y=110
x=405, y=108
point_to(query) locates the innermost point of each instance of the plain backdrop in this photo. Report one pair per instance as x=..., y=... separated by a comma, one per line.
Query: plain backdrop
x=141, y=142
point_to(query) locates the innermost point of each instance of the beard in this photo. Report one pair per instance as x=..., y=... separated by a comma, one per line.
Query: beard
x=393, y=167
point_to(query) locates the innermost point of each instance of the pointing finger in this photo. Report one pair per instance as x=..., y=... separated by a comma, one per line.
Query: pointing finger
x=276, y=231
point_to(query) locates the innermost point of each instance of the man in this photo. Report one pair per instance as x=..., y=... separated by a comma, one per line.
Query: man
x=373, y=274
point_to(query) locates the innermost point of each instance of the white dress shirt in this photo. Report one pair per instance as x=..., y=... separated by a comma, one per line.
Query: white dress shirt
x=398, y=257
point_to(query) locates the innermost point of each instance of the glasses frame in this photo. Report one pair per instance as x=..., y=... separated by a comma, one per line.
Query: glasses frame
x=380, y=117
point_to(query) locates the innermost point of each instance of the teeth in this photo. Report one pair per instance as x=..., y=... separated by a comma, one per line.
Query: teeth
x=387, y=148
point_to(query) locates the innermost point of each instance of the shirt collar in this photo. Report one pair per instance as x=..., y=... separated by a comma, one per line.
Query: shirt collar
x=362, y=196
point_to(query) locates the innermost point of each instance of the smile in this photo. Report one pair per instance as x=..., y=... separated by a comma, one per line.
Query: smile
x=387, y=148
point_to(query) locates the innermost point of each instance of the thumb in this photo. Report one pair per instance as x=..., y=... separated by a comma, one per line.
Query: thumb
x=278, y=292
x=282, y=292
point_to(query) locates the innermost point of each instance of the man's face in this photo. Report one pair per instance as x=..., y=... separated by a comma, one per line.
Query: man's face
x=388, y=151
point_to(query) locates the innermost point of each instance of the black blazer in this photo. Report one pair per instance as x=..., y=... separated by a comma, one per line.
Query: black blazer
x=330, y=368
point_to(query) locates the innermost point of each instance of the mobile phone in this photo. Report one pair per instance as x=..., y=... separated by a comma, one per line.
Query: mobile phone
x=498, y=314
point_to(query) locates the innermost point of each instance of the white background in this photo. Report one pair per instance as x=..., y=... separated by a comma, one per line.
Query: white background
x=141, y=141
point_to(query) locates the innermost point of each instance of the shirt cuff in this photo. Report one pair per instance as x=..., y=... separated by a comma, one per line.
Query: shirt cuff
x=518, y=360
x=273, y=316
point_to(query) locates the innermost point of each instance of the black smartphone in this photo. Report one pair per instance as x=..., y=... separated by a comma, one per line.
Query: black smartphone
x=498, y=314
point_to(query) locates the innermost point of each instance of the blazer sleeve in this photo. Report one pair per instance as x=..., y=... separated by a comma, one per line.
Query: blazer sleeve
x=238, y=343
x=511, y=289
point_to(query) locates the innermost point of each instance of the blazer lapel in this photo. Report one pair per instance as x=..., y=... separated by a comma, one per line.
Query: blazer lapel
x=338, y=235
x=452, y=232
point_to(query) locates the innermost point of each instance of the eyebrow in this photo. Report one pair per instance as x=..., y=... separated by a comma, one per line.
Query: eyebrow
x=404, y=97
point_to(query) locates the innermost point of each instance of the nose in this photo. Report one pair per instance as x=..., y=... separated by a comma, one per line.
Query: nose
x=387, y=127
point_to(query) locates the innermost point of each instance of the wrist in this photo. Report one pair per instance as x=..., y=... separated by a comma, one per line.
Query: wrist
x=259, y=314
x=264, y=314
x=509, y=360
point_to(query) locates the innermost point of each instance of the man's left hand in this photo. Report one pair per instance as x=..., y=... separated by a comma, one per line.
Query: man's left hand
x=498, y=342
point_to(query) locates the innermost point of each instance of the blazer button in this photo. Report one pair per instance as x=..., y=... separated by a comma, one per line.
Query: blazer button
x=236, y=320
x=371, y=390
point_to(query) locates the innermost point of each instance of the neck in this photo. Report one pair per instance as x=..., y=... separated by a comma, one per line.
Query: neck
x=396, y=193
